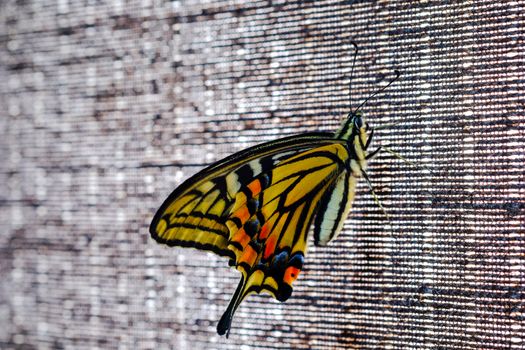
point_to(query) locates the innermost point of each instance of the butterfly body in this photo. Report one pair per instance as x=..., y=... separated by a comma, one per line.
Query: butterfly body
x=256, y=206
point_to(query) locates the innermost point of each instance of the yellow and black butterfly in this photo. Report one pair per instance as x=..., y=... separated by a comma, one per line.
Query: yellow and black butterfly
x=256, y=206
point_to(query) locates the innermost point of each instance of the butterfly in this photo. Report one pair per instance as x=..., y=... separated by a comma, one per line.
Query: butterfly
x=256, y=206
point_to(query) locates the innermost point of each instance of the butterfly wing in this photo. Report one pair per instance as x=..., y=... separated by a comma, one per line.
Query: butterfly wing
x=255, y=207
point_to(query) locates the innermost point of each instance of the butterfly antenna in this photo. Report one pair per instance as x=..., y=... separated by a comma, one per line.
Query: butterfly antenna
x=398, y=74
x=352, y=74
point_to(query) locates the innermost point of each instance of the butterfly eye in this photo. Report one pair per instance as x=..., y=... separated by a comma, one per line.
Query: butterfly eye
x=358, y=121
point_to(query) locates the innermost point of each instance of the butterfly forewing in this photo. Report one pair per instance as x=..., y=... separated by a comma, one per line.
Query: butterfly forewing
x=270, y=219
x=194, y=214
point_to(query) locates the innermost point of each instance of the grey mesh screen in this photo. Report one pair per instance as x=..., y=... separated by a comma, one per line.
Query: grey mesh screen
x=107, y=107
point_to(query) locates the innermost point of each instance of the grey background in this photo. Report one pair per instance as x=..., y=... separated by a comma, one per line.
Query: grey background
x=107, y=107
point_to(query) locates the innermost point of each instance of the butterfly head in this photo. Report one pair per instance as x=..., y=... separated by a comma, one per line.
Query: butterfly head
x=360, y=128
x=354, y=126
x=355, y=131
x=358, y=121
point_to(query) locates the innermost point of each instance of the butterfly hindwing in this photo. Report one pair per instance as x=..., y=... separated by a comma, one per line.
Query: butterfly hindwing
x=334, y=208
x=270, y=218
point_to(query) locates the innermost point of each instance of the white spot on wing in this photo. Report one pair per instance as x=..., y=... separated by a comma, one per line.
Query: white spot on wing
x=232, y=184
x=256, y=167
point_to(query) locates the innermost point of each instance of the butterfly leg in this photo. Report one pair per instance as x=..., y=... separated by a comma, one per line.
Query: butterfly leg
x=369, y=140
x=376, y=198
x=373, y=154
x=388, y=150
x=398, y=156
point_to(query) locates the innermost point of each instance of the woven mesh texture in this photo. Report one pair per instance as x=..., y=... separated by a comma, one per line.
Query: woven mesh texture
x=107, y=107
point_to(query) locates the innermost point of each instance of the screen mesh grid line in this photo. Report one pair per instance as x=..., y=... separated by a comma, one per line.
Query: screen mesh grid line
x=108, y=106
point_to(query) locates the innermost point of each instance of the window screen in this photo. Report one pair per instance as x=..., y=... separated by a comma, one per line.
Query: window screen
x=107, y=107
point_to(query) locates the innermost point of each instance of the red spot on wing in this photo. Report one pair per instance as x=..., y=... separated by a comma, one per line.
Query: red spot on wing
x=265, y=230
x=270, y=246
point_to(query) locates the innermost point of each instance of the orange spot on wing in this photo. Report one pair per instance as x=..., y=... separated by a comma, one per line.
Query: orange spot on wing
x=241, y=237
x=243, y=214
x=270, y=246
x=290, y=274
x=248, y=256
x=255, y=187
